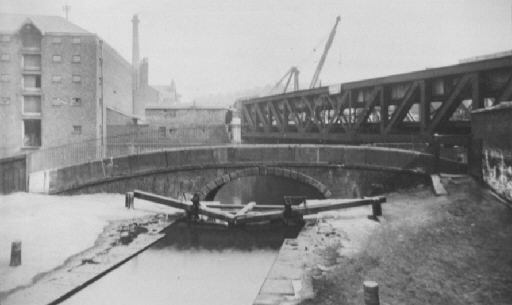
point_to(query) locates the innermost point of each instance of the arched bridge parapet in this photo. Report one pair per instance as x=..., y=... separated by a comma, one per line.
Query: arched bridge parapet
x=191, y=169
x=209, y=191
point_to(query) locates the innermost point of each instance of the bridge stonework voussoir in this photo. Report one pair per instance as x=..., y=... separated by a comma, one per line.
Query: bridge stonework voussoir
x=301, y=178
x=278, y=171
x=234, y=175
x=219, y=181
x=287, y=173
x=226, y=178
x=211, y=185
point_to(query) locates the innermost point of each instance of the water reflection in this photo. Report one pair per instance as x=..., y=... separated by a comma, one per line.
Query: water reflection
x=193, y=264
x=264, y=190
x=218, y=237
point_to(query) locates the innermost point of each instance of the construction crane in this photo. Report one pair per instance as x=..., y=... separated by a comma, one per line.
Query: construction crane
x=324, y=55
x=292, y=73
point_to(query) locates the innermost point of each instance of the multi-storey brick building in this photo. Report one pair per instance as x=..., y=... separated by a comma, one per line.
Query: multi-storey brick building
x=56, y=82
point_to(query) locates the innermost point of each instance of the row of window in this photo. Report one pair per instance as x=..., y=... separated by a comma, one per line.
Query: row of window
x=32, y=103
x=34, y=81
x=75, y=78
x=55, y=40
x=58, y=40
x=74, y=58
x=34, y=61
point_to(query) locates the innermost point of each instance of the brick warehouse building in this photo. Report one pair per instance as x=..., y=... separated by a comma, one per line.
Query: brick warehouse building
x=51, y=88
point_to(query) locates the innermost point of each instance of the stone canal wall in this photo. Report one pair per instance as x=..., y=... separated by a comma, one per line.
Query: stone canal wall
x=492, y=148
x=334, y=170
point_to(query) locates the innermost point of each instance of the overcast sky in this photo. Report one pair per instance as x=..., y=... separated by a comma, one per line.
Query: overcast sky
x=213, y=46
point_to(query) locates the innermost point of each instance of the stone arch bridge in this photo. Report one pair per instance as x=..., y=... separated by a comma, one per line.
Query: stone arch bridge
x=333, y=170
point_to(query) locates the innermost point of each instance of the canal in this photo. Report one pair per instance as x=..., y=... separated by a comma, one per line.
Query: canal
x=204, y=263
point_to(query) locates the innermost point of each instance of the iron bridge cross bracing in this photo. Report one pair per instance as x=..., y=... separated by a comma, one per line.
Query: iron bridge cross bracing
x=409, y=107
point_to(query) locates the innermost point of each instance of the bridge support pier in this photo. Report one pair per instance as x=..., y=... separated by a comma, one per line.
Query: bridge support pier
x=236, y=131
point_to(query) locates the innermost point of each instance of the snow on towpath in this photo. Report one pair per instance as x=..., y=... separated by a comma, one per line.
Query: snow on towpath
x=54, y=228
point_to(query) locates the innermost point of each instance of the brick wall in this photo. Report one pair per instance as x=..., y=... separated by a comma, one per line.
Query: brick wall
x=10, y=111
x=117, y=75
x=118, y=118
x=185, y=116
x=60, y=112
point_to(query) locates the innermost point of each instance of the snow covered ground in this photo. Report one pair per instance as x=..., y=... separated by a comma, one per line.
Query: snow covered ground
x=53, y=228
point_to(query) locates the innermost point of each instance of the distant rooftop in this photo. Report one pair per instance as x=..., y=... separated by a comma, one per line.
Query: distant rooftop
x=184, y=107
x=10, y=23
x=486, y=56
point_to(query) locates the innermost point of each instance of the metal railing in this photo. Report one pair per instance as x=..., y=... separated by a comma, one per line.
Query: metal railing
x=133, y=143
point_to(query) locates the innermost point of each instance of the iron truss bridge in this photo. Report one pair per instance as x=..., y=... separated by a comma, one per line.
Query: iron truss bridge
x=410, y=107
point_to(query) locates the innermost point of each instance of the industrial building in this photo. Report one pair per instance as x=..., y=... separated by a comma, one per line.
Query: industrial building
x=57, y=81
x=61, y=84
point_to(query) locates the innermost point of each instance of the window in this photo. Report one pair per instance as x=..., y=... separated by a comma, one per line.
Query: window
x=76, y=40
x=57, y=101
x=56, y=40
x=77, y=129
x=31, y=104
x=57, y=58
x=31, y=82
x=5, y=38
x=4, y=78
x=5, y=57
x=32, y=62
x=31, y=133
x=76, y=101
x=77, y=78
x=5, y=100
x=161, y=132
x=75, y=58
x=56, y=79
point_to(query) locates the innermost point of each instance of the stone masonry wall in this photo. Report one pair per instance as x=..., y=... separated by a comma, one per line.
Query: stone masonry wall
x=344, y=170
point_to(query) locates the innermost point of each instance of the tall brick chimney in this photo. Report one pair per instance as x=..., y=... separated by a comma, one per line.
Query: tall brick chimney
x=135, y=61
x=135, y=42
x=143, y=73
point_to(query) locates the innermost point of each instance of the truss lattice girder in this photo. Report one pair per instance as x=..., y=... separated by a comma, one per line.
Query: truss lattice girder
x=320, y=111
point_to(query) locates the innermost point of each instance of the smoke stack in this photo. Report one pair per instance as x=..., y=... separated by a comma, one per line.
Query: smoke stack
x=135, y=63
x=135, y=47
x=143, y=73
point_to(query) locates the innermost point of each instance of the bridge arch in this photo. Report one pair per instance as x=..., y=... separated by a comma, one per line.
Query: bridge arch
x=209, y=191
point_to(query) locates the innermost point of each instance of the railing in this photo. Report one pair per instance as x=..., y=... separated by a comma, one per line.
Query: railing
x=133, y=143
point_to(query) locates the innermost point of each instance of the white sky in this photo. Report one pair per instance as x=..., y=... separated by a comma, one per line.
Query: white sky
x=214, y=46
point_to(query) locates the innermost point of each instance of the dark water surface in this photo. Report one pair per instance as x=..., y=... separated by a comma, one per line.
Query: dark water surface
x=193, y=264
x=205, y=263
x=264, y=190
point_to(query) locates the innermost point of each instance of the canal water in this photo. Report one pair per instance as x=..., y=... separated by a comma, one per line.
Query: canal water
x=264, y=190
x=204, y=263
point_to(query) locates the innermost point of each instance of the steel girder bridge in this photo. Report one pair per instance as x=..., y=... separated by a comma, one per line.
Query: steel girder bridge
x=410, y=107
